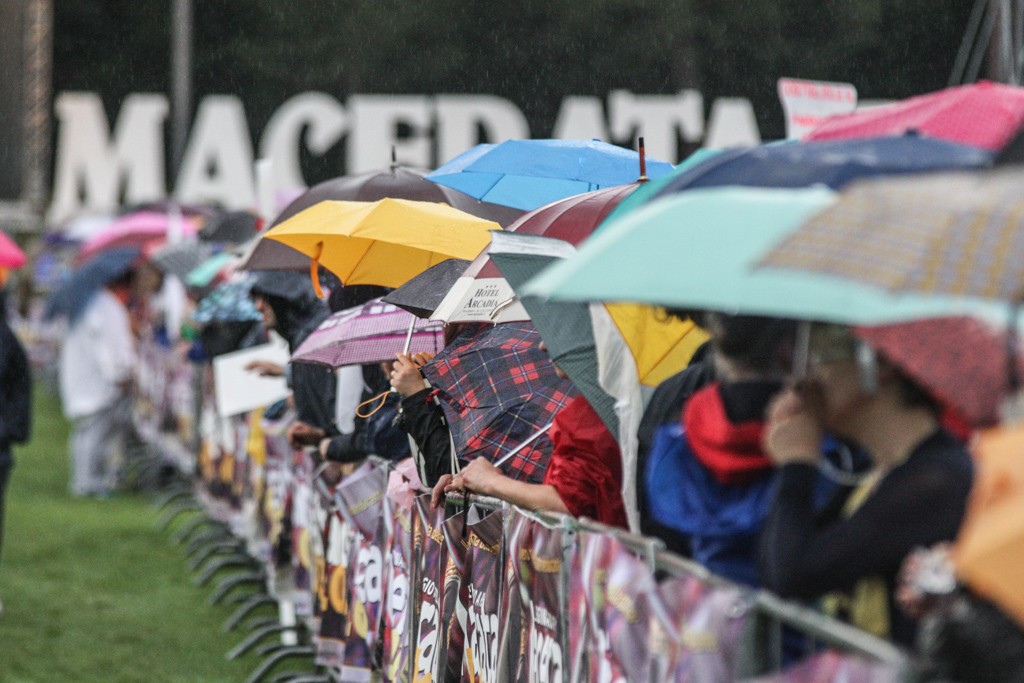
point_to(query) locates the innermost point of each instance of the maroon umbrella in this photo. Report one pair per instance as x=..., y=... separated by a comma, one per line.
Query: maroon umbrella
x=572, y=220
x=960, y=361
x=397, y=182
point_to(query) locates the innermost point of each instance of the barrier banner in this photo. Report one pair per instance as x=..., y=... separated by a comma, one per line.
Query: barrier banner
x=273, y=512
x=832, y=665
x=618, y=589
x=539, y=571
x=359, y=499
x=706, y=626
x=482, y=596
x=434, y=558
x=510, y=649
x=395, y=614
x=299, y=509
x=453, y=609
x=332, y=591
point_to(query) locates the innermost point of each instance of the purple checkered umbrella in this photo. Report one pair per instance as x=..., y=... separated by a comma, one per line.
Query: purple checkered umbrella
x=498, y=389
x=370, y=333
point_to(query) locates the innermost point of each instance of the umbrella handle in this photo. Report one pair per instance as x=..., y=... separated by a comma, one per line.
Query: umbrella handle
x=533, y=437
x=408, y=336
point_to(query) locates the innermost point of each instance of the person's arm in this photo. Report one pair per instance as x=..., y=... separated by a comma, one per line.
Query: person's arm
x=918, y=504
x=423, y=420
x=483, y=478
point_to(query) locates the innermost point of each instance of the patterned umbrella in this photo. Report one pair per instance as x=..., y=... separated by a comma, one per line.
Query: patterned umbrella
x=228, y=302
x=980, y=114
x=958, y=234
x=370, y=333
x=497, y=389
x=959, y=360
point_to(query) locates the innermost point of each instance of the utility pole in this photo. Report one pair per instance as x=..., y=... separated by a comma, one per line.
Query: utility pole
x=181, y=79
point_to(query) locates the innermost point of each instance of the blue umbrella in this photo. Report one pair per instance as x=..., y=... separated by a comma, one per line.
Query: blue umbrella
x=834, y=164
x=73, y=295
x=527, y=174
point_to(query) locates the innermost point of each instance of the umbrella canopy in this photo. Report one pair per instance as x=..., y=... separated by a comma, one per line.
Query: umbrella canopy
x=204, y=274
x=422, y=294
x=981, y=114
x=834, y=163
x=527, y=174
x=989, y=552
x=959, y=360
x=565, y=327
x=73, y=295
x=11, y=255
x=697, y=250
x=957, y=234
x=142, y=229
x=228, y=302
x=181, y=258
x=497, y=388
x=481, y=294
x=397, y=182
x=230, y=226
x=387, y=242
x=370, y=333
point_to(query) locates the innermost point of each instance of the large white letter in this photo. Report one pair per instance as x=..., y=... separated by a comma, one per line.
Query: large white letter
x=376, y=121
x=319, y=116
x=90, y=170
x=657, y=118
x=460, y=116
x=217, y=166
x=580, y=118
x=732, y=124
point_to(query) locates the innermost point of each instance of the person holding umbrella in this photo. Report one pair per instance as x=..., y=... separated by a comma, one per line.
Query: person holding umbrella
x=914, y=495
x=15, y=398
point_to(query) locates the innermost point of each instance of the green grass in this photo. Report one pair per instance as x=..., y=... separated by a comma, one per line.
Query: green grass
x=91, y=590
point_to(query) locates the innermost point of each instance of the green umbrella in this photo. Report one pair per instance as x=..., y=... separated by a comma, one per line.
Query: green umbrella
x=564, y=326
x=203, y=274
x=696, y=250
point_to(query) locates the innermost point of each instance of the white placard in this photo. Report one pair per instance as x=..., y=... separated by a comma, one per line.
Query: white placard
x=239, y=390
x=808, y=103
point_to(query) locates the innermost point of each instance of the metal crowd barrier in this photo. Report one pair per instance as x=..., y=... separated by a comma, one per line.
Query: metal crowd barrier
x=217, y=546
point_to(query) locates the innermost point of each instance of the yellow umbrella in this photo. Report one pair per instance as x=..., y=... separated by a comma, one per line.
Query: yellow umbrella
x=989, y=551
x=660, y=344
x=386, y=242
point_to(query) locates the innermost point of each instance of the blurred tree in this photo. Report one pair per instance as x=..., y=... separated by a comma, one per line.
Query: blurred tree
x=533, y=52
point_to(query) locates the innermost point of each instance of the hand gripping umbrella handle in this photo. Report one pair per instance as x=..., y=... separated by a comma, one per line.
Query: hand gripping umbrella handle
x=533, y=437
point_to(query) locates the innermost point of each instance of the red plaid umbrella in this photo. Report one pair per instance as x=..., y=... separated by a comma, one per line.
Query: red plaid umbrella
x=498, y=388
x=980, y=114
x=960, y=361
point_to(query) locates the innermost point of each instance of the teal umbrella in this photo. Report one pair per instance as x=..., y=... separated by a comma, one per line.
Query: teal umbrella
x=697, y=249
x=203, y=274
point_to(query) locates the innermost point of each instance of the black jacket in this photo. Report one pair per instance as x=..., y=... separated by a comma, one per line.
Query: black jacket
x=15, y=390
x=422, y=419
x=299, y=312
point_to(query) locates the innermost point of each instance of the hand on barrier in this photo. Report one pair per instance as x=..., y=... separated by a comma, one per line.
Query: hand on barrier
x=437, y=495
x=301, y=434
x=265, y=368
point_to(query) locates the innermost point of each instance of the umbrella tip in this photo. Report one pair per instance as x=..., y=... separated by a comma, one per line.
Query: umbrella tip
x=643, y=161
x=394, y=158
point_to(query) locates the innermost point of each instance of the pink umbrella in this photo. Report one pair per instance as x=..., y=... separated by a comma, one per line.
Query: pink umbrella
x=143, y=229
x=11, y=256
x=370, y=333
x=981, y=114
